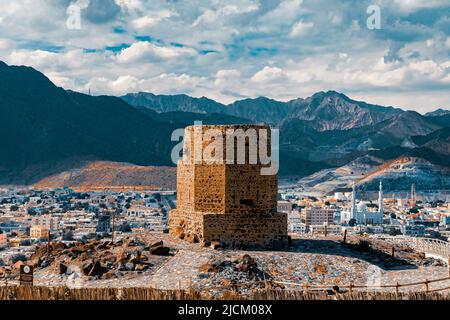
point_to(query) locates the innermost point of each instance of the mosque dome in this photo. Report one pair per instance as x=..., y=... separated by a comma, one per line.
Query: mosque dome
x=361, y=206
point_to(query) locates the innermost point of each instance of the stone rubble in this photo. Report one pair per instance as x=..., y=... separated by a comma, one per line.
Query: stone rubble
x=321, y=261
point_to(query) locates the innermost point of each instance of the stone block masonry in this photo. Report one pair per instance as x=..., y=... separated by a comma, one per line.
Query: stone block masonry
x=227, y=202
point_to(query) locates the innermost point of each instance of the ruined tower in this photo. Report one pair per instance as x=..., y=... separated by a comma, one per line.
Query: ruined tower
x=224, y=196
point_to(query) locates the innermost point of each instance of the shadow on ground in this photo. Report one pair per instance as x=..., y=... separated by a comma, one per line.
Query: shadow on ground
x=362, y=250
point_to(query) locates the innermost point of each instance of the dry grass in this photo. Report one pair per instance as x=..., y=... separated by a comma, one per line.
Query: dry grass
x=65, y=293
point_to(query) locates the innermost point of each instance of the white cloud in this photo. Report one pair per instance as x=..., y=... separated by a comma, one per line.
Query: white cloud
x=131, y=5
x=152, y=19
x=38, y=58
x=6, y=44
x=409, y=6
x=225, y=74
x=235, y=49
x=286, y=10
x=141, y=51
x=213, y=17
x=268, y=74
x=300, y=28
x=124, y=84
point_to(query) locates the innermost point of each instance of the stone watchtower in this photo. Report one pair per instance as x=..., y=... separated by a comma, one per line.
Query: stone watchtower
x=223, y=198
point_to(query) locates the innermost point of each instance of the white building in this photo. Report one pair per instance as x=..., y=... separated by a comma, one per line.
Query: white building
x=339, y=196
x=295, y=224
x=140, y=211
x=360, y=212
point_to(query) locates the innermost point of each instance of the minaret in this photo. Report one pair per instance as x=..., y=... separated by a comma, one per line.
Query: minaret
x=412, y=202
x=380, y=198
x=352, y=212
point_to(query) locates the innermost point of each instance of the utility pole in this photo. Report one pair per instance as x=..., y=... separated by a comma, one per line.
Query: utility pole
x=48, y=244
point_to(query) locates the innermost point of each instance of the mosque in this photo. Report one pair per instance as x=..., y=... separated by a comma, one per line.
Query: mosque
x=360, y=211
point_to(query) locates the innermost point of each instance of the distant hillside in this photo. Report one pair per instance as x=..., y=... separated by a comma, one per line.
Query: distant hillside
x=170, y=103
x=386, y=140
x=44, y=125
x=367, y=171
x=110, y=175
x=441, y=118
x=400, y=173
x=327, y=181
x=437, y=113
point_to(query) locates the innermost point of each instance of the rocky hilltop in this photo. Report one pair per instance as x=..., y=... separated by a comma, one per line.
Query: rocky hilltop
x=112, y=175
x=400, y=173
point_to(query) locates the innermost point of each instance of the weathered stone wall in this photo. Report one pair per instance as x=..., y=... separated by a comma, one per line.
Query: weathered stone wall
x=231, y=203
x=247, y=191
x=186, y=223
x=240, y=230
x=243, y=230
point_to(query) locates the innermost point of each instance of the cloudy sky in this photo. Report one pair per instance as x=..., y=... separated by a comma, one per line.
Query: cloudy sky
x=233, y=49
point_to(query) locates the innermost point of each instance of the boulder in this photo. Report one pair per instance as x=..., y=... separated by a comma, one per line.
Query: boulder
x=104, y=245
x=248, y=264
x=157, y=244
x=62, y=268
x=96, y=269
x=86, y=267
x=160, y=251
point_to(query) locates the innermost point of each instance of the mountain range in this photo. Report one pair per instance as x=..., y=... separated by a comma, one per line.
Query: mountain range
x=324, y=110
x=47, y=130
